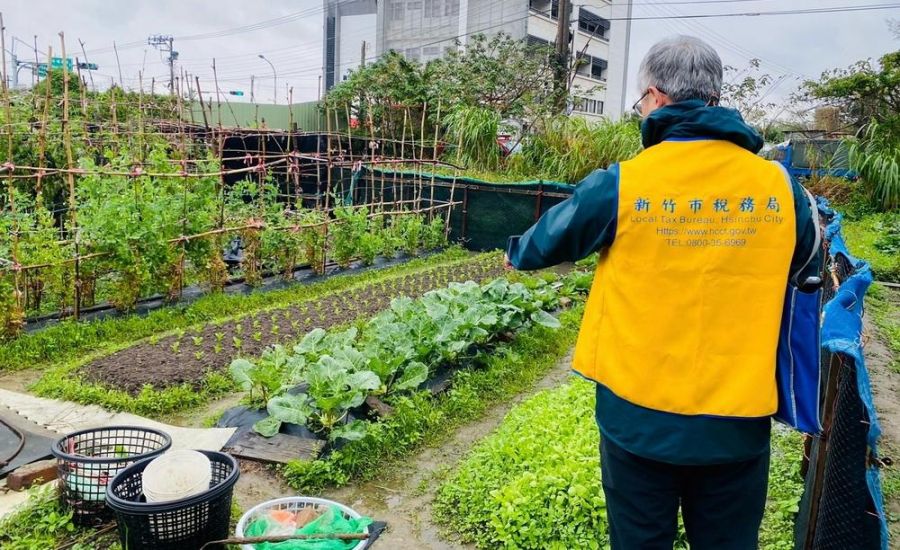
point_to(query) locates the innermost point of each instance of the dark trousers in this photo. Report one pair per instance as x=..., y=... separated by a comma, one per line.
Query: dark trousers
x=722, y=505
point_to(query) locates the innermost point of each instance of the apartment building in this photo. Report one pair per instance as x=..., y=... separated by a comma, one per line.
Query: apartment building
x=423, y=30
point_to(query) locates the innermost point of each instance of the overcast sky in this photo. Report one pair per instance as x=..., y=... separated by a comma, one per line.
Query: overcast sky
x=289, y=33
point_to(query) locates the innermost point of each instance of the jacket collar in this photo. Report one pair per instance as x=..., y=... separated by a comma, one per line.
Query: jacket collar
x=693, y=119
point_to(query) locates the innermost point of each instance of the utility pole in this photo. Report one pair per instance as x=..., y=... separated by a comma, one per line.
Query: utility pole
x=561, y=65
x=165, y=44
x=362, y=55
x=252, y=97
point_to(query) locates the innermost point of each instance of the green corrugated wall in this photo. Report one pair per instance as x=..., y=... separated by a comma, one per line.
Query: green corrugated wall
x=307, y=116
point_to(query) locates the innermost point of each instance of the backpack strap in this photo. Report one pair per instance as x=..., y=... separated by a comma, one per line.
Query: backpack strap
x=814, y=212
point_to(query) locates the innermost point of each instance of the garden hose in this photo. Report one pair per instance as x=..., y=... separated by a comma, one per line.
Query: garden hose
x=20, y=435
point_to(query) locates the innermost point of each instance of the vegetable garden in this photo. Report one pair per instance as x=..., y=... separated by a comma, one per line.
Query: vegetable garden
x=133, y=208
x=305, y=282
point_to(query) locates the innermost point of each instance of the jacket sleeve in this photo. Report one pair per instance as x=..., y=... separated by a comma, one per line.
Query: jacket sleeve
x=806, y=237
x=574, y=228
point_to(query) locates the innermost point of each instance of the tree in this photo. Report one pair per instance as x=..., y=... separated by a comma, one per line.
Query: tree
x=748, y=95
x=499, y=73
x=863, y=91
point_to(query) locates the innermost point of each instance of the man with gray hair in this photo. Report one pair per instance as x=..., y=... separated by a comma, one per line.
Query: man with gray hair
x=697, y=236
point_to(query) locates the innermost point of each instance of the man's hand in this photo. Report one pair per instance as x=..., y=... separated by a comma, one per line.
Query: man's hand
x=507, y=265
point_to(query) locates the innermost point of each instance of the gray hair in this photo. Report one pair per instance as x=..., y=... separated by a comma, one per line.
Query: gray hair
x=683, y=67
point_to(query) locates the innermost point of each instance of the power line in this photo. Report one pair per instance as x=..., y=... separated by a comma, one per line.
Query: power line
x=724, y=42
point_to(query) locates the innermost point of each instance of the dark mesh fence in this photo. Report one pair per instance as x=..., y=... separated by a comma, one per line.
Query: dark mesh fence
x=487, y=213
x=842, y=504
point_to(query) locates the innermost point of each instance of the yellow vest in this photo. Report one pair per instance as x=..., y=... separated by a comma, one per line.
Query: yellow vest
x=686, y=304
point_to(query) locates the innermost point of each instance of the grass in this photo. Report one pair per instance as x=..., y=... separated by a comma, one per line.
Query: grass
x=61, y=344
x=43, y=523
x=863, y=237
x=63, y=381
x=884, y=306
x=566, y=150
x=535, y=481
x=421, y=419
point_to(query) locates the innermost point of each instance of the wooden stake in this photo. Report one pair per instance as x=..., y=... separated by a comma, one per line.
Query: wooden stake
x=17, y=317
x=70, y=178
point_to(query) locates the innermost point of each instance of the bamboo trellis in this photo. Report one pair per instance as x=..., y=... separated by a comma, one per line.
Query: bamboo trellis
x=198, y=152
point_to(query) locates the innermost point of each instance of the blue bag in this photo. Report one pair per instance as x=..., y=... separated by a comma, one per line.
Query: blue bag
x=797, y=368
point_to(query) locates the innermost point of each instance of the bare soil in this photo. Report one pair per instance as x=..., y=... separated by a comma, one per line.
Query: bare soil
x=187, y=357
x=401, y=497
x=886, y=393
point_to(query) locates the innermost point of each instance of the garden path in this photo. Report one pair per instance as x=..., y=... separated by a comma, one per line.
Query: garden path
x=886, y=393
x=403, y=496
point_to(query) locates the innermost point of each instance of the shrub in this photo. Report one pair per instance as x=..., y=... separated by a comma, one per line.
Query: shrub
x=568, y=148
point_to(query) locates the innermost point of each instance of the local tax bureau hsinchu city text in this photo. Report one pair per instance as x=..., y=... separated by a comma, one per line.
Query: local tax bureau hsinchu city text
x=725, y=219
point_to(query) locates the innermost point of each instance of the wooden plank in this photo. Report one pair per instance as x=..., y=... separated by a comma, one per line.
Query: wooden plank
x=279, y=448
x=37, y=472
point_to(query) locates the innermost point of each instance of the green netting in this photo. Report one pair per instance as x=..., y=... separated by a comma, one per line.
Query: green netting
x=490, y=212
x=331, y=522
x=487, y=213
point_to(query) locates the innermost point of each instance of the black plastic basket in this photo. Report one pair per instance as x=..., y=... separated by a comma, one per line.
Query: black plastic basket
x=179, y=524
x=88, y=459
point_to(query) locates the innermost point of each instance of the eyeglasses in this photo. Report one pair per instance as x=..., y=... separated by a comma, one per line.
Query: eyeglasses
x=713, y=101
x=636, y=108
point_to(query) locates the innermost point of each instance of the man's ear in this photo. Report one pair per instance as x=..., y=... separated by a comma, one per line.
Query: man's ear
x=657, y=98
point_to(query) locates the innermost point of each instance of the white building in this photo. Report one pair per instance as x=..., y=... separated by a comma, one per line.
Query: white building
x=425, y=29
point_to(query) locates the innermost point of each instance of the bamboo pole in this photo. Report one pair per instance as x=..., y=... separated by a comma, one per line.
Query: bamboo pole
x=202, y=107
x=402, y=148
x=353, y=167
x=16, y=320
x=371, y=147
x=434, y=151
x=70, y=179
x=179, y=281
x=42, y=136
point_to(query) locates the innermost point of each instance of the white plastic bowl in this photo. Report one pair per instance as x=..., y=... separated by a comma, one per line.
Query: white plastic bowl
x=293, y=504
x=176, y=475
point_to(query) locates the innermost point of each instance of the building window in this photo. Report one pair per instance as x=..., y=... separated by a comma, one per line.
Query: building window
x=430, y=52
x=416, y=5
x=413, y=54
x=588, y=105
x=548, y=8
x=593, y=24
x=533, y=40
x=451, y=7
x=434, y=8
x=591, y=67
x=396, y=11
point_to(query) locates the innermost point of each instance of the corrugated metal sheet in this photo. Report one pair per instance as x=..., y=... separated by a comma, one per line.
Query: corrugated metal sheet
x=307, y=117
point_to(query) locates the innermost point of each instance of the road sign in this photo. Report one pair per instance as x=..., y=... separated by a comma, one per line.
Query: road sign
x=88, y=66
x=236, y=92
x=57, y=63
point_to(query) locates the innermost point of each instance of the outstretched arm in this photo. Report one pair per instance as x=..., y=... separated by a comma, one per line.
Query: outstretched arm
x=574, y=228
